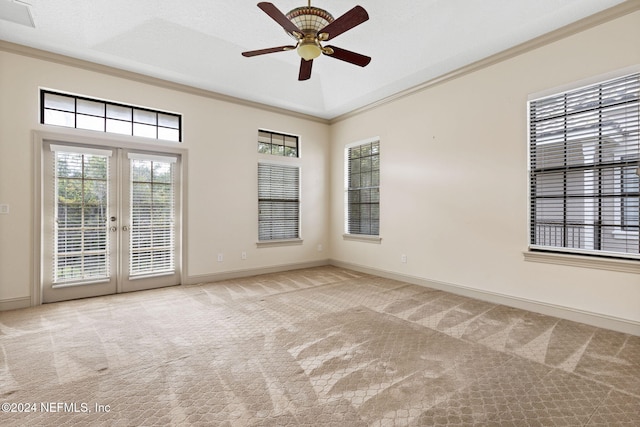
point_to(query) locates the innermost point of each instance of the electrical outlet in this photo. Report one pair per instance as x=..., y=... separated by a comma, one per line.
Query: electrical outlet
x=220, y=257
x=243, y=255
x=403, y=258
x=4, y=209
x=320, y=247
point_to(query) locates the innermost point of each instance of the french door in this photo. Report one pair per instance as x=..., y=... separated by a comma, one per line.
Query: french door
x=110, y=221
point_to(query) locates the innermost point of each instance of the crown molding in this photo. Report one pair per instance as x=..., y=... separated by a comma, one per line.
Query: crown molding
x=57, y=58
x=607, y=15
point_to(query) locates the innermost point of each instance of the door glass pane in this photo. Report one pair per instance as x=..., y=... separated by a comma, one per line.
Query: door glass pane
x=81, y=204
x=152, y=243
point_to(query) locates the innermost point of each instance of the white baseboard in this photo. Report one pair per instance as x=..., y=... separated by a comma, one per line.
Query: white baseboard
x=568, y=313
x=25, y=302
x=236, y=274
x=15, y=303
x=589, y=318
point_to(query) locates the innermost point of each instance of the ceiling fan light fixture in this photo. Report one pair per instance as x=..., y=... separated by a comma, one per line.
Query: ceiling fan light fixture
x=309, y=50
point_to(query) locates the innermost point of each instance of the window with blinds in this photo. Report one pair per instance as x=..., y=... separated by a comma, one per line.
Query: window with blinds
x=584, y=158
x=152, y=244
x=278, y=202
x=81, y=247
x=363, y=189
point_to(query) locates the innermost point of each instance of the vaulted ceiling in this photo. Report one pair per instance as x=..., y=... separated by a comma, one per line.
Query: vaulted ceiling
x=199, y=42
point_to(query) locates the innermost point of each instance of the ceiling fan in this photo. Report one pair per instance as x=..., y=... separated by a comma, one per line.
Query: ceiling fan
x=310, y=26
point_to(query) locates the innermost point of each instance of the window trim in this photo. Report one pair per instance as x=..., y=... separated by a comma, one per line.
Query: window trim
x=581, y=260
x=362, y=238
x=369, y=238
x=278, y=243
x=564, y=256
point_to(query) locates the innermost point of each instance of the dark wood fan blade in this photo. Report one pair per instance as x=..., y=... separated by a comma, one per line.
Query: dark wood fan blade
x=268, y=50
x=279, y=17
x=305, y=69
x=348, y=56
x=352, y=18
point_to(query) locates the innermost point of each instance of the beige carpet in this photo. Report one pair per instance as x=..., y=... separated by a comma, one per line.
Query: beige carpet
x=316, y=347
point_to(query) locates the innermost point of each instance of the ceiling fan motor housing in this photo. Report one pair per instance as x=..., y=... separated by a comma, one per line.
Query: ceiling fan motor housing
x=310, y=19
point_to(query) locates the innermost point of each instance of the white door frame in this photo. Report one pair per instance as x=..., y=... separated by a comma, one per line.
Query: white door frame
x=89, y=138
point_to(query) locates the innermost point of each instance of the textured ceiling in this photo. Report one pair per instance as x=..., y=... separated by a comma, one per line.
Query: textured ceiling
x=198, y=43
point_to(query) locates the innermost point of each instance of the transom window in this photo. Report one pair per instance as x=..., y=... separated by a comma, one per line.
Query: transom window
x=584, y=152
x=277, y=144
x=78, y=112
x=363, y=189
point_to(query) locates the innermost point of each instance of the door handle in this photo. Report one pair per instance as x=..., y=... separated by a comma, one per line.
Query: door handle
x=112, y=229
x=125, y=228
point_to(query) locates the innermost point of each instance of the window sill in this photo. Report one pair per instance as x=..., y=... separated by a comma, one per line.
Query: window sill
x=276, y=243
x=612, y=264
x=362, y=238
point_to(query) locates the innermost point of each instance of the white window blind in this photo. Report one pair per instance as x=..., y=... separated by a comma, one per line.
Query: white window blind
x=278, y=201
x=584, y=151
x=363, y=189
x=152, y=242
x=81, y=246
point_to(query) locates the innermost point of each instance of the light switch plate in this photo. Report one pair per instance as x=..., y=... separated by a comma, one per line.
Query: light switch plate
x=4, y=209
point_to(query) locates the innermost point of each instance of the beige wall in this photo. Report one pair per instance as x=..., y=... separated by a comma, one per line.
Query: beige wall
x=454, y=179
x=221, y=140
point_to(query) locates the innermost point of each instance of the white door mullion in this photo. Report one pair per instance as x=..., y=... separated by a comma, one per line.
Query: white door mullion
x=121, y=182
